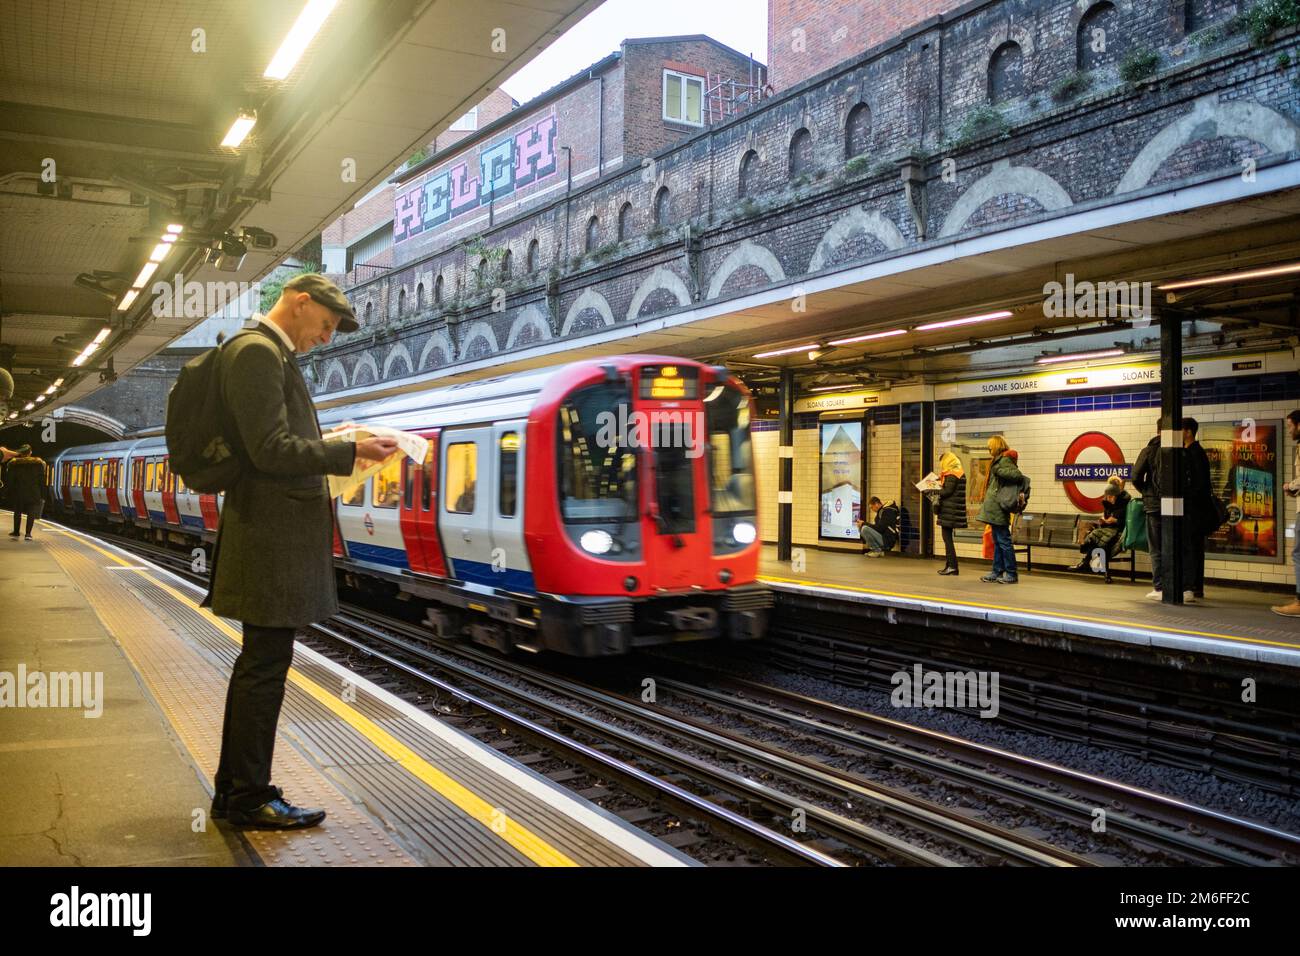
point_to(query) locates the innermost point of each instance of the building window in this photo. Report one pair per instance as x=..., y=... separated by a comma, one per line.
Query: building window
x=437, y=291
x=481, y=271
x=401, y=302
x=748, y=174
x=801, y=153
x=534, y=254
x=370, y=312
x=1006, y=74
x=624, y=221
x=857, y=131
x=466, y=124
x=593, y=234
x=663, y=207
x=507, y=265
x=419, y=297
x=683, y=98
x=1098, y=37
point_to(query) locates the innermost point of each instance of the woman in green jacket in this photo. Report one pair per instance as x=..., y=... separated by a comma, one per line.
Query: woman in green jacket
x=1003, y=473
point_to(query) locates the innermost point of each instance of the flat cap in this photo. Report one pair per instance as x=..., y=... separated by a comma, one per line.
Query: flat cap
x=324, y=291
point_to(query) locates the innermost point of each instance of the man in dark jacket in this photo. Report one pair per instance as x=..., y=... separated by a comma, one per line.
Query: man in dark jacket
x=1146, y=478
x=273, y=568
x=1199, y=511
x=26, y=479
x=881, y=533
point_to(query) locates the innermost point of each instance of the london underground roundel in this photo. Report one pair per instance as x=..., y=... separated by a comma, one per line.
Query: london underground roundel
x=1070, y=471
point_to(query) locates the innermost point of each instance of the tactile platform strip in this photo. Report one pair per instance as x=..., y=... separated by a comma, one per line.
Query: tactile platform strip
x=189, y=687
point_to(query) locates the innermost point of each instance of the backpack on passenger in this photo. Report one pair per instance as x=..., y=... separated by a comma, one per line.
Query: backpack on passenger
x=1014, y=499
x=197, y=446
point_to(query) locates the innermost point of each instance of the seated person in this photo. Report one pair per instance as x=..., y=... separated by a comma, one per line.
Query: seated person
x=1109, y=533
x=880, y=534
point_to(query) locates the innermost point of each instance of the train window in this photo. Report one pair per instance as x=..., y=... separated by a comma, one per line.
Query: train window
x=151, y=473
x=408, y=484
x=356, y=498
x=426, y=486
x=387, y=485
x=462, y=477
x=508, y=472
x=731, y=462
x=180, y=485
x=597, y=471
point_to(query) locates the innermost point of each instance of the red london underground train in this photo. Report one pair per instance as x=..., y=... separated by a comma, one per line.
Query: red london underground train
x=587, y=508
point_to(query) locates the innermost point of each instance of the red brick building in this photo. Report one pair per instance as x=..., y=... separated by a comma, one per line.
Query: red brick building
x=807, y=37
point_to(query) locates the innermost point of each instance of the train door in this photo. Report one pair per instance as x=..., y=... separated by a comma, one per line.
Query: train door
x=209, y=512
x=138, y=470
x=88, y=486
x=170, y=510
x=114, y=501
x=65, y=484
x=420, y=515
x=153, y=491
x=507, y=513
x=465, y=475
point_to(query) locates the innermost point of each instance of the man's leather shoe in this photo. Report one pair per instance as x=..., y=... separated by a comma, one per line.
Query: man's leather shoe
x=218, y=811
x=277, y=814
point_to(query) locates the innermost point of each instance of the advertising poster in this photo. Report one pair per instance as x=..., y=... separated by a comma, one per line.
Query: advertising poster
x=841, y=479
x=1243, y=473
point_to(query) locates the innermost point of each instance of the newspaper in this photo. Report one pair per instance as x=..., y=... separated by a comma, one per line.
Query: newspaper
x=930, y=482
x=407, y=444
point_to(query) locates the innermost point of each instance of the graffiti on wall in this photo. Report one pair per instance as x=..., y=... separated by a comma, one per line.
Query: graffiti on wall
x=523, y=157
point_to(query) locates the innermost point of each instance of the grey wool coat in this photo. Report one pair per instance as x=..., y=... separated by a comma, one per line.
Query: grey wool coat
x=273, y=563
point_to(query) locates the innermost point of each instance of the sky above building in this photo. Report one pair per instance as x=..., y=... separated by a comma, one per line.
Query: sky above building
x=740, y=24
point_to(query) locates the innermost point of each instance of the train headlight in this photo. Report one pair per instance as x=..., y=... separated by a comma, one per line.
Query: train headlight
x=596, y=542
x=744, y=532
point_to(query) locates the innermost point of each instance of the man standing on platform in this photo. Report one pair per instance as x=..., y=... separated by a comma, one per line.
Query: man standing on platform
x=1146, y=478
x=1292, y=489
x=273, y=566
x=26, y=474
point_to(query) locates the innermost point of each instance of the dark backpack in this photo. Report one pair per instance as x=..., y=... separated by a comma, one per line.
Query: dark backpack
x=197, y=447
x=1014, y=498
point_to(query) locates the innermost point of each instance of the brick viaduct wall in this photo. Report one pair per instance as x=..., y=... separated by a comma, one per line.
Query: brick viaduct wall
x=1028, y=132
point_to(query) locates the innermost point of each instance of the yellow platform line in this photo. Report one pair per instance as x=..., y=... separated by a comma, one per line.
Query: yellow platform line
x=1021, y=610
x=521, y=838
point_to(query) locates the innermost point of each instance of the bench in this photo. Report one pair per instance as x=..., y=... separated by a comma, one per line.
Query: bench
x=1060, y=531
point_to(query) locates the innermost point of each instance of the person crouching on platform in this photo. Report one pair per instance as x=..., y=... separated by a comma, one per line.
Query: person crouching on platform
x=951, y=507
x=1109, y=533
x=881, y=533
x=1004, y=475
x=273, y=566
x=26, y=475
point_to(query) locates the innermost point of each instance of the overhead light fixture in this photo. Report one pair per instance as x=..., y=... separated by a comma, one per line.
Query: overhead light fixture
x=175, y=228
x=1232, y=277
x=300, y=35
x=13, y=415
x=836, y=388
x=239, y=129
x=38, y=399
x=160, y=252
x=128, y=299
x=145, y=274
x=1080, y=356
x=789, y=351
x=168, y=237
x=969, y=320
x=58, y=383
x=51, y=390
x=869, y=337
x=29, y=406
x=102, y=334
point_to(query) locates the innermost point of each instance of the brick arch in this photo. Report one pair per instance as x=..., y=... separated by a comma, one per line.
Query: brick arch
x=748, y=253
x=366, y=361
x=1210, y=119
x=399, y=352
x=590, y=299
x=441, y=341
x=479, y=330
x=111, y=427
x=854, y=222
x=660, y=278
x=334, y=368
x=530, y=317
x=1005, y=179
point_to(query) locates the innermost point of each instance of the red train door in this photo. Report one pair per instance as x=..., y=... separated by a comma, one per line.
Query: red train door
x=169, y=495
x=339, y=551
x=419, y=514
x=87, y=486
x=137, y=490
x=111, y=485
x=208, y=508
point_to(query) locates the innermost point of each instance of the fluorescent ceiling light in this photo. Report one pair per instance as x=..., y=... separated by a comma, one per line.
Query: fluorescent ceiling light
x=300, y=35
x=969, y=320
x=58, y=383
x=102, y=334
x=789, y=351
x=145, y=274
x=160, y=252
x=1080, y=356
x=175, y=228
x=39, y=398
x=127, y=300
x=1232, y=277
x=29, y=406
x=836, y=388
x=869, y=337
x=242, y=126
x=168, y=237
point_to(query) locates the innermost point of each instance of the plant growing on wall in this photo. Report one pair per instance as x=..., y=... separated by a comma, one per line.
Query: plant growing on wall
x=980, y=122
x=1139, y=64
x=1074, y=85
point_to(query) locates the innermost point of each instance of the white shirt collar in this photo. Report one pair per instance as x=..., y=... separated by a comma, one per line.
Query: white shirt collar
x=280, y=333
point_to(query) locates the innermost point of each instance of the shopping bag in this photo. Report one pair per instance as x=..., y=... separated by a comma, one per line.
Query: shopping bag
x=988, y=542
x=1135, y=527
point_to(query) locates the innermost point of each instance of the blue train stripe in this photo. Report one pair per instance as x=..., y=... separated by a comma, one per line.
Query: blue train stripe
x=480, y=572
x=189, y=521
x=159, y=516
x=378, y=554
